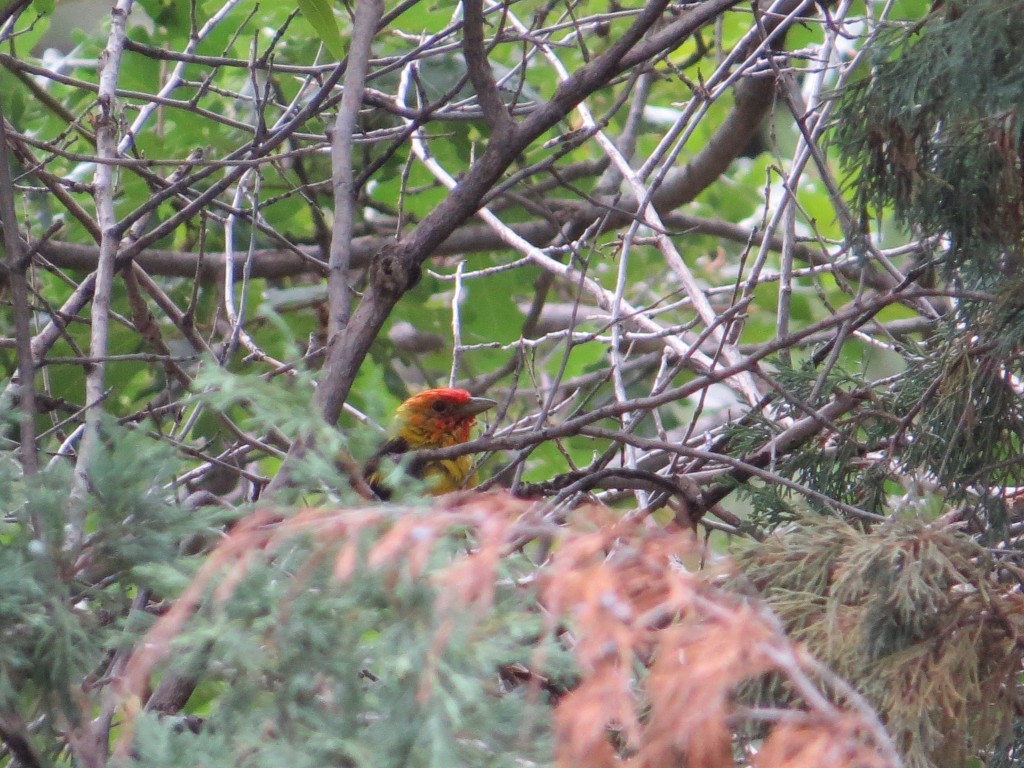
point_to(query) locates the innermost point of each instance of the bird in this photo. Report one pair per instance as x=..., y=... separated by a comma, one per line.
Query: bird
x=434, y=418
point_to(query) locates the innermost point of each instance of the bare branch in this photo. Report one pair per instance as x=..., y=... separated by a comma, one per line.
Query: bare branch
x=396, y=270
x=480, y=75
x=14, y=267
x=368, y=13
x=107, y=122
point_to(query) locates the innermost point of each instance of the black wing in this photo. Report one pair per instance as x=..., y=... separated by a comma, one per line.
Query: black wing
x=392, y=450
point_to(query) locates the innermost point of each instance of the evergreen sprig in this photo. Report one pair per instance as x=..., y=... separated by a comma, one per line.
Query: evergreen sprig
x=934, y=130
x=914, y=615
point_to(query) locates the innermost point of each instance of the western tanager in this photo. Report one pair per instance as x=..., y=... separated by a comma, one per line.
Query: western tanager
x=436, y=418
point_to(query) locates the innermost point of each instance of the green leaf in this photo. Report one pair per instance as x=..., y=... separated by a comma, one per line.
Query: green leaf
x=319, y=14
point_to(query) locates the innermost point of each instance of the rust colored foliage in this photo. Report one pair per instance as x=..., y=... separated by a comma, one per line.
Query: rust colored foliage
x=660, y=646
x=662, y=651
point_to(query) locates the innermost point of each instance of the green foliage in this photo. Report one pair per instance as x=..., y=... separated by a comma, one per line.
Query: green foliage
x=320, y=15
x=972, y=423
x=372, y=670
x=935, y=130
x=65, y=608
x=375, y=668
x=303, y=643
x=913, y=615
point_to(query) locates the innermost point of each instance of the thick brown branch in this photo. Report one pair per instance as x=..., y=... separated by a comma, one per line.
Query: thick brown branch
x=368, y=13
x=480, y=75
x=397, y=269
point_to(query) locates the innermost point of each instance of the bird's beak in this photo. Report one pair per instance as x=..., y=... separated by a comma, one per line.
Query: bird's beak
x=475, y=405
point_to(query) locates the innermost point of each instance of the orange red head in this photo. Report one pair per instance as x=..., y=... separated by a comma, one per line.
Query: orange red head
x=439, y=417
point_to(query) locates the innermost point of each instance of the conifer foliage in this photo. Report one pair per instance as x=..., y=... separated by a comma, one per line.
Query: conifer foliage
x=742, y=281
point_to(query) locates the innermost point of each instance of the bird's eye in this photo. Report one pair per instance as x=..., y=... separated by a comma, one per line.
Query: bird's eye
x=440, y=406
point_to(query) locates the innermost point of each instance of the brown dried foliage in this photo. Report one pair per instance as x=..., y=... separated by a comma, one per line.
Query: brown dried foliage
x=660, y=645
